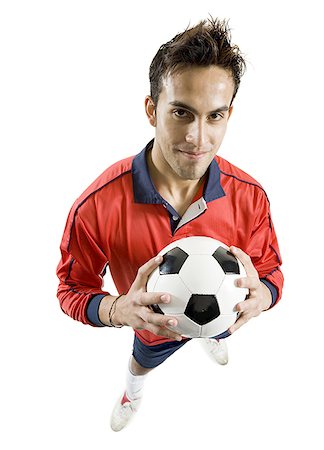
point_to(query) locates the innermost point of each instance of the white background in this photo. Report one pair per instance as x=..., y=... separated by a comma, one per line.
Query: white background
x=73, y=79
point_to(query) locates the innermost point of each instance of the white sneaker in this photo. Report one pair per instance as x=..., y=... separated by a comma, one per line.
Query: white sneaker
x=123, y=412
x=217, y=350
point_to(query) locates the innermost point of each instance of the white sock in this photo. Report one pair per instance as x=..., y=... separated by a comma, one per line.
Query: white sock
x=134, y=384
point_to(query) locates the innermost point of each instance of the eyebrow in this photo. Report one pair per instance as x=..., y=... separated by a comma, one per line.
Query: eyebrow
x=190, y=108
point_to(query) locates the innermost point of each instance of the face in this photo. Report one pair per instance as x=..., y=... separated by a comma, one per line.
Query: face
x=191, y=120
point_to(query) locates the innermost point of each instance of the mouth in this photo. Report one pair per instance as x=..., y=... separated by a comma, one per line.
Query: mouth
x=193, y=155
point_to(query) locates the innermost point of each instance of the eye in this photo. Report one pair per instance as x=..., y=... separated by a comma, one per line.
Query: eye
x=180, y=113
x=216, y=116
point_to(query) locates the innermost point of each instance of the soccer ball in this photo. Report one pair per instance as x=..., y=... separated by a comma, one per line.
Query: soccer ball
x=199, y=273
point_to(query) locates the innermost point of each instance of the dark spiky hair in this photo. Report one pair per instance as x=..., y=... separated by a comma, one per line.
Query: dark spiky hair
x=206, y=44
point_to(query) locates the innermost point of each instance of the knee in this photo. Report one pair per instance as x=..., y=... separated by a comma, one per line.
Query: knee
x=137, y=369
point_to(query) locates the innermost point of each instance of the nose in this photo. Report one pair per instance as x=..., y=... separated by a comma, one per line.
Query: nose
x=197, y=134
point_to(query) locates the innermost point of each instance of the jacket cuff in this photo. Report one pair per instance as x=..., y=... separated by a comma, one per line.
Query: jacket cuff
x=273, y=290
x=93, y=310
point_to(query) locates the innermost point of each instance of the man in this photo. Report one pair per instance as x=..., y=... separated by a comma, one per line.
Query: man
x=175, y=187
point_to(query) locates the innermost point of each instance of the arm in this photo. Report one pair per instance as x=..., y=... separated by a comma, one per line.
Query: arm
x=81, y=296
x=80, y=269
x=262, y=262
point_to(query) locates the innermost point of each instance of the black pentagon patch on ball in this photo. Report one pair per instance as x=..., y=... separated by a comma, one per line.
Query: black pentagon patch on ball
x=173, y=260
x=156, y=309
x=227, y=261
x=202, y=308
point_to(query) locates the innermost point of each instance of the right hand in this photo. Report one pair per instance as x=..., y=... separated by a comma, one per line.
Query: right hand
x=133, y=309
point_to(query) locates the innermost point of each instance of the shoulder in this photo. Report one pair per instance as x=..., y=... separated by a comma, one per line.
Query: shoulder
x=111, y=175
x=238, y=179
x=228, y=169
x=85, y=205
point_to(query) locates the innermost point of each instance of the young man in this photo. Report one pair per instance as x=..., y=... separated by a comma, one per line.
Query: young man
x=175, y=187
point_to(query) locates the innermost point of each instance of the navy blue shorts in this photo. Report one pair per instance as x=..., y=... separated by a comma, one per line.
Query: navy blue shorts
x=150, y=356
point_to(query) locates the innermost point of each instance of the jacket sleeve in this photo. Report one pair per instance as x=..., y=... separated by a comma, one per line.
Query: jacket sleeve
x=264, y=250
x=81, y=268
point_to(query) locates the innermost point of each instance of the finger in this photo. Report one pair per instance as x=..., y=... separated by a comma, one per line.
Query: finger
x=248, y=282
x=152, y=298
x=242, y=319
x=245, y=260
x=146, y=269
x=161, y=320
x=158, y=323
x=245, y=306
x=161, y=331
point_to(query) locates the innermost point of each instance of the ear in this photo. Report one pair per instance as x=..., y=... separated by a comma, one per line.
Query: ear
x=230, y=110
x=150, y=110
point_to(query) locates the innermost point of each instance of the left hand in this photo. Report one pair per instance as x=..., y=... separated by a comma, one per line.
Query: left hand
x=259, y=298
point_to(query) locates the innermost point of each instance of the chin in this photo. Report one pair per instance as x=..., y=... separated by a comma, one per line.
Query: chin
x=191, y=176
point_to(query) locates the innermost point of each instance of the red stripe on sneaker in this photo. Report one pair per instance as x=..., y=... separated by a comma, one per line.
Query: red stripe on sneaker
x=125, y=399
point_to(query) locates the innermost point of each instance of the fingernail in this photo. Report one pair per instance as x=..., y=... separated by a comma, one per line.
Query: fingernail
x=158, y=259
x=179, y=338
x=234, y=249
x=237, y=283
x=165, y=298
x=173, y=323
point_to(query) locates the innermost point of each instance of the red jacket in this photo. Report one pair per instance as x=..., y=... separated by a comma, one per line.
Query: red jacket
x=121, y=220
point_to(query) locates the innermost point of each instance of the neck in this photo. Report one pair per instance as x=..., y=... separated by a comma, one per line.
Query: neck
x=170, y=184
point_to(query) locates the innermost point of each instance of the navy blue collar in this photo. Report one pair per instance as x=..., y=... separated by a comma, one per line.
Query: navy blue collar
x=145, y=191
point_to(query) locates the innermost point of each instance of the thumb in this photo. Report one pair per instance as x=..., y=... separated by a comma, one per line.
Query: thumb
x=145, y=270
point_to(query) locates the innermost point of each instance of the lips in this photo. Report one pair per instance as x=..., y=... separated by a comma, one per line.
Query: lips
x=193, y=155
